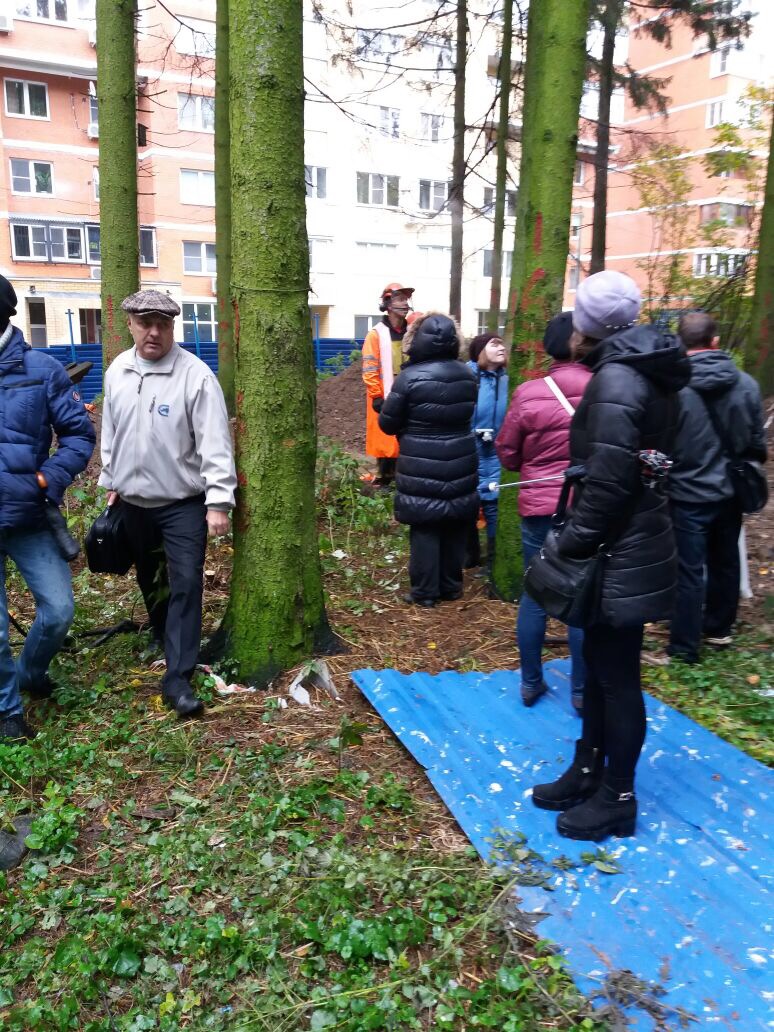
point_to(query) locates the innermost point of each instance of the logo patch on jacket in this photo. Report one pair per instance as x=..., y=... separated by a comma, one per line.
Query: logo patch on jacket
x=76, y=396
x=163, y=410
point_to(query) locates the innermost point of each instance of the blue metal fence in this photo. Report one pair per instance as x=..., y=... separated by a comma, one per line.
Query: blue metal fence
x=325, y=349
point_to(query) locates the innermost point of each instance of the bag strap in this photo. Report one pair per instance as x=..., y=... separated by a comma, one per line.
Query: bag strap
x=720, y=433
x=575, y=475
x=557, y=392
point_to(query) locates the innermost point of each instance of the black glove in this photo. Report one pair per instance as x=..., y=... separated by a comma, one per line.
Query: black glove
x=67, y=545
x=376, y=404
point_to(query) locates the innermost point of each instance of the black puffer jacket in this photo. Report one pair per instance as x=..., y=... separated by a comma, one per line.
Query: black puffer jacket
x=700, y=473
x=429, y=409
x=629, y=404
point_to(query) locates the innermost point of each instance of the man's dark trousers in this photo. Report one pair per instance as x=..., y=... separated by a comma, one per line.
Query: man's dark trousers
x=172, y=591
x=707, y=537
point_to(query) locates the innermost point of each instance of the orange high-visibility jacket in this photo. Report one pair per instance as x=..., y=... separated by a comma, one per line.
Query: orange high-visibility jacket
x=377, y=343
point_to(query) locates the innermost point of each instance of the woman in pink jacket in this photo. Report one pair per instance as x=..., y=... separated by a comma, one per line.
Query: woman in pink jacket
x=535, y=441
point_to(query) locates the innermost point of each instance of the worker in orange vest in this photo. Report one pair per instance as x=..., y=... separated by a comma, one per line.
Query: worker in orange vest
x=382, y=358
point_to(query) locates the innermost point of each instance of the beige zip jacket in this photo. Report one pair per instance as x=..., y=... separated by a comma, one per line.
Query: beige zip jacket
x=165, y=432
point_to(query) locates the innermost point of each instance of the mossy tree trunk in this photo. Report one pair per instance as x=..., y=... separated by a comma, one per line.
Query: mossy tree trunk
x=457, y=190
x=556, y=51
x=501, y=176
x=276, y=615
x=119, y=228
x=223, y=207
x=760, y=351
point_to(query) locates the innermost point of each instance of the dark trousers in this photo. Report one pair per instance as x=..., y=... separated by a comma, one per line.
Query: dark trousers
x=613, y=707
x=385, y=470
x=437, y=552
x=707, y=598
x=172, y=590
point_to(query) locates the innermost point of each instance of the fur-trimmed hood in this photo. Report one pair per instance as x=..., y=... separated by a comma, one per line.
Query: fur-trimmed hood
x=432, y=337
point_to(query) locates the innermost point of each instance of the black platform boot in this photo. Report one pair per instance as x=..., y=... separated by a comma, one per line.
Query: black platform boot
x=610, y=811
x=579, y=782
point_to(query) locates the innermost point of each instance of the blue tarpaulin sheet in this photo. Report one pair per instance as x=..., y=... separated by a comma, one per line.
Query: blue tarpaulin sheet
x=690, y=909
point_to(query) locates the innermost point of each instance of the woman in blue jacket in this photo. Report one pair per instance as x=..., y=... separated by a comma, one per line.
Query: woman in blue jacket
x=488, y=360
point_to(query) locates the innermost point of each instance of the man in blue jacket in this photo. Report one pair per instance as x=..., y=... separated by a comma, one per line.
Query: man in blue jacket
x=36, y=399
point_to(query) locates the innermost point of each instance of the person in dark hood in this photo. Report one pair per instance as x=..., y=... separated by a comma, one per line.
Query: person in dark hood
x=630, y=405
x=706, y=514
x=429, y=409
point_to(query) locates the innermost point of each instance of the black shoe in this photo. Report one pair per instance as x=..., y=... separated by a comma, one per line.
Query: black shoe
x=15, y=729
x=576, y=698
x=451, y=598
x=607, y=812
x=529, y=696
x=185, y=704
x=578, y=783
x=44, y=689
x=425, y=603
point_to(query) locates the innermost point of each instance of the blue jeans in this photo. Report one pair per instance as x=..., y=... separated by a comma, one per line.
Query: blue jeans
x=531, y=619
x=48, y=578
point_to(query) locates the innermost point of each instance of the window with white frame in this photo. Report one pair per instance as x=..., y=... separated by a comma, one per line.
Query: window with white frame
x=199, y=257
x=511, y=199
x=196, y=112
x=197, y=187
x=363, y=323
x=148, y=254
x=316, y=181
x=719, y=61
x=199, y=322
x=483, y=319
x=573, y=275
x=320, y=252
x=506, y=263
x=375, y=44
x=389, y=122
x=434, y=259
x=93, y=253
x=375, y=249
x=46, y=242
x=718, y=263
x=195, y=37
x=576, y=221
x=433, y=194
x=728, y=214
x=25, y=99
x=579, y=174
x=36, y=319
x=95, y=182
x=440, y=55
x=93, y=110
x=377, y=189
x=43, y=10
x=715, y=112
x=147, y=245
x=431, y=127
x=32, y=177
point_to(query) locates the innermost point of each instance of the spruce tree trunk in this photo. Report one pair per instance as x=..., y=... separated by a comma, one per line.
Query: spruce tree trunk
x=223, y=208
x=556, y=52
x=276, y=614
x=119, y=227
x=493, y=321
x=610, y=21
x=457, y=191
x=760, y=351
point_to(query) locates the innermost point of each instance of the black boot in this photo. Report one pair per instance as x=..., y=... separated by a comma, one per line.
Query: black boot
x=15, y=729
x=610, y=811
x=580, y=781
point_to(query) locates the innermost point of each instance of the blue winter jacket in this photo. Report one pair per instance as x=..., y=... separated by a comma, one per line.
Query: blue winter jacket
x=36, y=397
x=490, y=412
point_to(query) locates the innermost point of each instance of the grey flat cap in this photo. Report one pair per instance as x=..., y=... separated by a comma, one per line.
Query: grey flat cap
x=151, y=302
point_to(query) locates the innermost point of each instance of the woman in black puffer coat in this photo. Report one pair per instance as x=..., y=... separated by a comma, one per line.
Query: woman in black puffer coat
x=629, y=405
x=429, y=410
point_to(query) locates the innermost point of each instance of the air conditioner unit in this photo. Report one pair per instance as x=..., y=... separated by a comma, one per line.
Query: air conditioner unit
x=6, y=23
x=93, y=35
x=214, y=284
x=92, y=130
x=96, y=272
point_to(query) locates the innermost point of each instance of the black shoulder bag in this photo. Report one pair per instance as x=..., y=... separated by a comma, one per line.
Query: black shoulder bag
x=108, y=549
x=569, y=589
x=748, y=478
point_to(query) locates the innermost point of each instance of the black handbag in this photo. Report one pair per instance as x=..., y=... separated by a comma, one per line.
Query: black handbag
x=569, y=589
x=108, y=549
x=748, y=478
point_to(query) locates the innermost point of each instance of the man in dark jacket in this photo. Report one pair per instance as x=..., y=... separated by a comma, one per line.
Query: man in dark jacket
x=429, y=409
x=707, y=517
x=37, y=398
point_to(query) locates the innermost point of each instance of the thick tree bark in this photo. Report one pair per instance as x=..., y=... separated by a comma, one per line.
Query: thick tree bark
x=493, y=320
x=457, y=191
x=119, y=227
x=276, y=614
x=223, y=208
x=760, y=350
x=610, y=22
x=556, y=52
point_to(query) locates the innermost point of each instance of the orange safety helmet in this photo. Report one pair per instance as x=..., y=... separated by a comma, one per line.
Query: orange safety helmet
x=395, y=288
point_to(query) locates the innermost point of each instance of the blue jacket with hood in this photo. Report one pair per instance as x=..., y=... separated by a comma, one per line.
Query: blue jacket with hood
x=36, y=398
x=491, y=406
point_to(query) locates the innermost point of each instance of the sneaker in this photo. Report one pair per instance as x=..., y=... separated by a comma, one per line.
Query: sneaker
x=15, y=729
x=44, y=689
x=531, y=694
x=721, y=641
x=185, y=704
x=656, y=658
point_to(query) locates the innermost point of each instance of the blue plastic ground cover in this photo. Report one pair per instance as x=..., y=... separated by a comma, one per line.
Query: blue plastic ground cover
x=690, y=910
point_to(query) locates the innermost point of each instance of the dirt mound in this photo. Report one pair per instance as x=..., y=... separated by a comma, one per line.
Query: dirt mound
x=341, y=408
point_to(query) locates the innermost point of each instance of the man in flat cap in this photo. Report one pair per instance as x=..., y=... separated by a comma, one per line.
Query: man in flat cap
x=167, y=457
x=38, y=400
